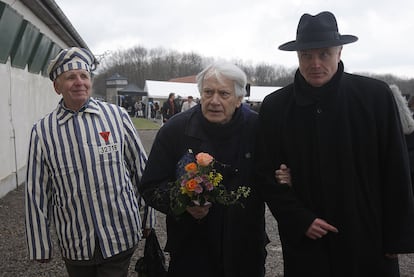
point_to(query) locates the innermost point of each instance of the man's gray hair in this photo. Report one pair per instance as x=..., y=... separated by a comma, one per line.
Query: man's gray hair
x=227, y=70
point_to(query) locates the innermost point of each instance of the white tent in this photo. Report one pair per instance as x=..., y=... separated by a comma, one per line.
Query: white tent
x=258, y=93
x=161, y=90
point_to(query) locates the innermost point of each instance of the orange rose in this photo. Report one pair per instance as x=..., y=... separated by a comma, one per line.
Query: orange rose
x=191, y=167
x=204, y=159
x=191, y=184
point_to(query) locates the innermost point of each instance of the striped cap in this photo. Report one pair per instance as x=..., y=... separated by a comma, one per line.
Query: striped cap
x=70, y=59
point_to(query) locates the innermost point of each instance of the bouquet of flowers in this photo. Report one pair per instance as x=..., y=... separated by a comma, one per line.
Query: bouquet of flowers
x=198, y=183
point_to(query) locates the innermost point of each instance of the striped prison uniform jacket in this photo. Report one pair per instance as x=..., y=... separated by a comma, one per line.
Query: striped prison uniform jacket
x=82, y=172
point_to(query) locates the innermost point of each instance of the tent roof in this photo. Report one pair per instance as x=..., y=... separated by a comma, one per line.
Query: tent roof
x=258, y=93
x=161, y=90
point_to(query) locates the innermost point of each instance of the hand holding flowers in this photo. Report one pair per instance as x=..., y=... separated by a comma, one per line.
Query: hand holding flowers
x=200, y=184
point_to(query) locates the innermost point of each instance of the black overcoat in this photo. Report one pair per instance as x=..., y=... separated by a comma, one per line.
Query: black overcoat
x=234, y=236
x=409, y=139
x=349, y=166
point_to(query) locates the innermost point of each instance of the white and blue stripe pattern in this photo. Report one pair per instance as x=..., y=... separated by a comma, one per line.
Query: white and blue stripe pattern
x=70, y=59
x=83, y=182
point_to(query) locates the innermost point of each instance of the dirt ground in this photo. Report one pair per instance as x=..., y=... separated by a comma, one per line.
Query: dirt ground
x=13, y=252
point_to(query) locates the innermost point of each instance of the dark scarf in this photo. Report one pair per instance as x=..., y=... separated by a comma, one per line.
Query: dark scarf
x=225, y=142
x=309, y=97
x=224, y=138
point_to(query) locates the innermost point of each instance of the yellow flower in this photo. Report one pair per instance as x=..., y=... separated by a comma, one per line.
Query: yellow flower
x=215, y=178
x=183, y=190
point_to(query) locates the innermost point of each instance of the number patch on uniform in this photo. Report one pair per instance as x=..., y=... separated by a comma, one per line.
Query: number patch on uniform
x=110, y=148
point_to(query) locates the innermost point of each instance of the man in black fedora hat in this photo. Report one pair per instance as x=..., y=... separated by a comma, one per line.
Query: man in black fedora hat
x=349, y=208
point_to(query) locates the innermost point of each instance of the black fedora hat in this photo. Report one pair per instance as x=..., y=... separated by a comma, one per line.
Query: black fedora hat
x=317, y=31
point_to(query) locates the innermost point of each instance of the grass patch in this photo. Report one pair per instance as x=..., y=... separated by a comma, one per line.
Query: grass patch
x=145, y=124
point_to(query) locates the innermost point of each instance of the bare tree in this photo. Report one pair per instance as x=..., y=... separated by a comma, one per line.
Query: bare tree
x=139, y=64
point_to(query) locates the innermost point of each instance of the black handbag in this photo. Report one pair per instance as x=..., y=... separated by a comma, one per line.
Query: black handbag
x=153, y=262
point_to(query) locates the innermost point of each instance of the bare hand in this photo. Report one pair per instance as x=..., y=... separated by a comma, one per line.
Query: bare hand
x=282, y=175
x=320, y=228
x=198, y=212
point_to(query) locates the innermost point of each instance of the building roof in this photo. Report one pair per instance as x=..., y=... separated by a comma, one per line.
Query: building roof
x=133, y=90
x=116, y=76
x=185, y=79
x=50, y=13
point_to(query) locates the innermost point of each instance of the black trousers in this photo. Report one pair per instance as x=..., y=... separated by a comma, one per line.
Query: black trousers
x=115, y=266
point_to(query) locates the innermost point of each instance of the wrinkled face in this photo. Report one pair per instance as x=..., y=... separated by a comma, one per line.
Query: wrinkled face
x=318, y=66
x=75, y=87
x=218, y=99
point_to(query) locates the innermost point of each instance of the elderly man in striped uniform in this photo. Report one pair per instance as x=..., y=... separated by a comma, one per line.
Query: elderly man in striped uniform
x=85, y=159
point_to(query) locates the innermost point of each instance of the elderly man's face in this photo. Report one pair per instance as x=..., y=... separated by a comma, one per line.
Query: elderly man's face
x=218, y=99
x=75, y=87
x=318, y=66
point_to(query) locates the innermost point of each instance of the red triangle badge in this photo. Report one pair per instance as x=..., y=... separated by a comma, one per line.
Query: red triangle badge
x=105, y=135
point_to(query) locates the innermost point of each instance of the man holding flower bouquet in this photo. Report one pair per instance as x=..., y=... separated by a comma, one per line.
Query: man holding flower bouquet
x=199, y=173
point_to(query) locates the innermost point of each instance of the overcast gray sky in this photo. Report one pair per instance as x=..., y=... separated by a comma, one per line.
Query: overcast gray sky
x=248, y=30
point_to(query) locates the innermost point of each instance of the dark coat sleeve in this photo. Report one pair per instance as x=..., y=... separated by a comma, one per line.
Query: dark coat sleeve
x=170, y=144
x=280, y=198
x=160, y=168
x=409, y=139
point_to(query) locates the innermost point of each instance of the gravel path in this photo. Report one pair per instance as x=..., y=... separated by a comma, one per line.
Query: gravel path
x=13, y=253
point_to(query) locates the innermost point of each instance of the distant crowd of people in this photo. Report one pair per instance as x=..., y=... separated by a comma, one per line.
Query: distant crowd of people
x=169, y=108
x=172, y=106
